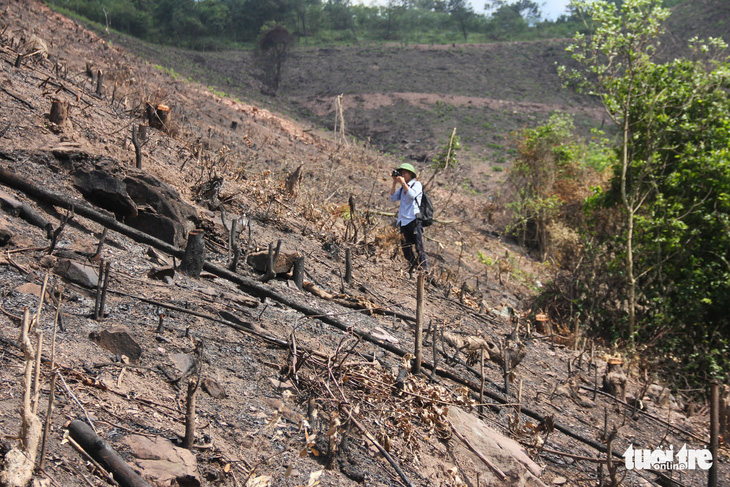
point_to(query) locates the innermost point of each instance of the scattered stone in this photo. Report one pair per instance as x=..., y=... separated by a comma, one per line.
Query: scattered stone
x=158, y=258
x=166, y=274
x=119, y=341
x=559, y=480
x=213, y=388
x=183, y=362
x=5, y=235
x=77, y=273
x=29, y=288
x=48, y=261
x=162, y=463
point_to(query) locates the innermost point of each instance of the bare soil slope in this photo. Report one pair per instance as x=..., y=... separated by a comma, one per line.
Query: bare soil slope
x=296, y=387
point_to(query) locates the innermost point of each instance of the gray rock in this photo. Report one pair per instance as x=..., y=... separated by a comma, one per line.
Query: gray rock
x=502, y=451
x=163, y=464
x=105, y=190
x=119, y=341
x=77, y=273
x=143, y=201
x=213, y=388
x=161, y=209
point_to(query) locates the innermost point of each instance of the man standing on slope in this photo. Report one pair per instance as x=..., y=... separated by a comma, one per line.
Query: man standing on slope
x=409, y=192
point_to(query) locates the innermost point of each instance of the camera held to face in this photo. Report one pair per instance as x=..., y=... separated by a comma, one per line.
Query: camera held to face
x=396, y=173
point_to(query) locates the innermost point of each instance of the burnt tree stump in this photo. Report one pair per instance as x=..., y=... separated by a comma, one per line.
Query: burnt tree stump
x=298, y=273
x=59, y=111
x=137, y=148
x=159, y=117
x=99, y=82
x=348, y=266
x=614, y=382
x=194, y=257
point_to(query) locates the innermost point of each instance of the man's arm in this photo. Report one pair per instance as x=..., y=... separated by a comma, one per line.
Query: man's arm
x=394, y=196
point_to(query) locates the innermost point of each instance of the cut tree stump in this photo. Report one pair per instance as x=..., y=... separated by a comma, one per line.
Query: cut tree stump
x=194, y=257
x=614, y=382
x=159, y=117
x=59, y=111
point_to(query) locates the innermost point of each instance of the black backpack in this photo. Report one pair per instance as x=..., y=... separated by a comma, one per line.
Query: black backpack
x=425, y=210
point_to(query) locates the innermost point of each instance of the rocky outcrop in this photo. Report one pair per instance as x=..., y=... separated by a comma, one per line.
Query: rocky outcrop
x=140, y=200
x=106, y=191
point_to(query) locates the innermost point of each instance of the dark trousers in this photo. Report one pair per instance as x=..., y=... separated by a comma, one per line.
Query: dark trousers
x=413, y=236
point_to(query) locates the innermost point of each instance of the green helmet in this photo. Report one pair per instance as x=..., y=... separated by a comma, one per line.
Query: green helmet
x=408, y=167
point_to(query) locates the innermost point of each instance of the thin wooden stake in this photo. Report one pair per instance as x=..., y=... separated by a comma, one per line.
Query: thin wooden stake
x=52, y=391
x=99, y=82
x=37, y=372
x=419, y=323
x=137, y=148
x=99, y=246
x=481, y=374
x=99, y=284
x=434, y=351
x=348, y=266
x=271, y=262
x=714, y=432
x=190, y=415
x=161, y=323
x=42, y=301
x=506, y=365
x=107, y=271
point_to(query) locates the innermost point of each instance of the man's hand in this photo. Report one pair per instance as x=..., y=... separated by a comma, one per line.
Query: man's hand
x=400, y=180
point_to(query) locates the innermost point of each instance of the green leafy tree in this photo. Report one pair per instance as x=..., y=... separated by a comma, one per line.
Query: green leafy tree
x=273, y=50
x=510, y=19
x=671, y=181
x=463, y=15
x=615, y=58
